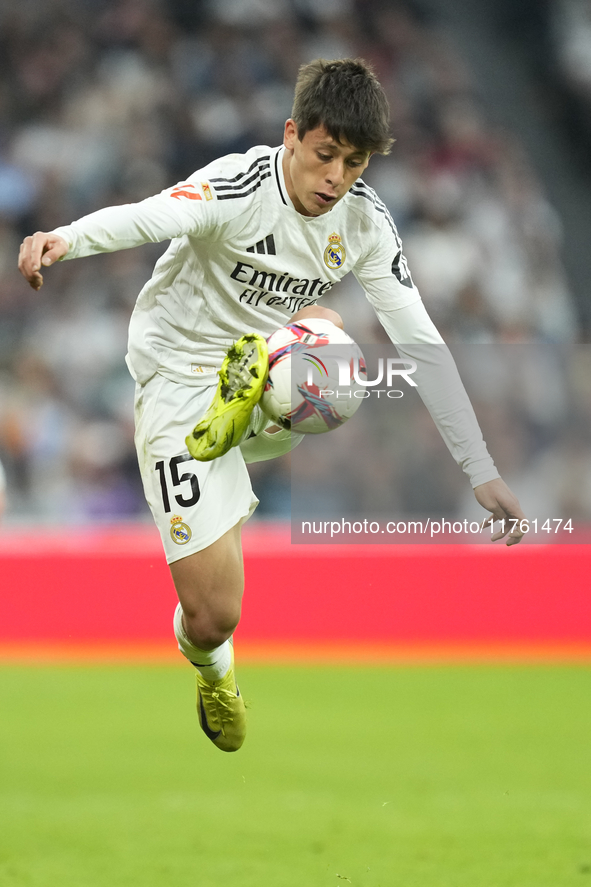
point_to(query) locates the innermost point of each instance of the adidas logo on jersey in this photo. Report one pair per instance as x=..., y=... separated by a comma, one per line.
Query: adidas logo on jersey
x=264, y=247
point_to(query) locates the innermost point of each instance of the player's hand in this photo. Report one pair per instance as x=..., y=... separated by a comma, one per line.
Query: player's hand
x=497, y=498
x=39, y=251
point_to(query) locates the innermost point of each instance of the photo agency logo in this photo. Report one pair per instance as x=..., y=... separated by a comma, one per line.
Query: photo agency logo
x=339, y=376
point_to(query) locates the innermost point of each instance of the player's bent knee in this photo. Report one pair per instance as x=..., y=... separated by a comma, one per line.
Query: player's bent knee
x=209, y=631
x=209, y=585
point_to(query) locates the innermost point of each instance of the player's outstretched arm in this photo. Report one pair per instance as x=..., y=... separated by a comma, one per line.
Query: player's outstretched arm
x=504, y=506
x=42, y=249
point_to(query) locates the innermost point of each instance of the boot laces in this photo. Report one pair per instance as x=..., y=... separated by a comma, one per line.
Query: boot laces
x=221, y=699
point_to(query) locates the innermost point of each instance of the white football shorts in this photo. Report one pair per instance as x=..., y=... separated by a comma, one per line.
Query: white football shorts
x=193, y=503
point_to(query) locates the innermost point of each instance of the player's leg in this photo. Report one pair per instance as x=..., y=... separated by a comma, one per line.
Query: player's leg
x=273, y=441
x=321, y=313
x=198, y=508
x=269, y=444
x=241, y=381
x=229, y=420
x=209, y=584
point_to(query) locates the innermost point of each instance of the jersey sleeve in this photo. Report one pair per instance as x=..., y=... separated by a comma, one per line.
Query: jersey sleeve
x=386, y=280
x=185, y=209
x=440, y=388
x=383, y=272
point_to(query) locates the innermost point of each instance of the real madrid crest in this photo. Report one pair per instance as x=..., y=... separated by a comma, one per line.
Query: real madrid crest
x=334, y=254
x=179, y=531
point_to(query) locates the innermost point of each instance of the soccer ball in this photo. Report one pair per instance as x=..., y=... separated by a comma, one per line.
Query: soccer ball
x=316, y=375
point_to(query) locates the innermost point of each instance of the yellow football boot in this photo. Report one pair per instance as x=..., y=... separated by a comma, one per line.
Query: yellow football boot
x=221, y=710
x=241, y=383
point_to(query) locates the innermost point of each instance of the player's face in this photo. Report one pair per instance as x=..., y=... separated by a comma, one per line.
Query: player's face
x=319, y=170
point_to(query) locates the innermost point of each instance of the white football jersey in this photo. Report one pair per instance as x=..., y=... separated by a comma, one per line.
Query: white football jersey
x=242, y=259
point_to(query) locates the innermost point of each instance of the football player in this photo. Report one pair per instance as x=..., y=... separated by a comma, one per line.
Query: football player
x=256, y=241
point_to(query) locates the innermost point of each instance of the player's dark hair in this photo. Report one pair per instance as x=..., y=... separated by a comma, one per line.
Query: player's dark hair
x=346, y=97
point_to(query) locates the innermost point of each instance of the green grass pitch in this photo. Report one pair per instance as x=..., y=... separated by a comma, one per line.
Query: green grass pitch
x=374, y=777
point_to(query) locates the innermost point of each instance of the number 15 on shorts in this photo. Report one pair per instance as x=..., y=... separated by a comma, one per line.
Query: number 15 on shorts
x=186, y=483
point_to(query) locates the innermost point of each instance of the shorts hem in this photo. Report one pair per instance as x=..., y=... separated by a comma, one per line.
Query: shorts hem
x=200, y=544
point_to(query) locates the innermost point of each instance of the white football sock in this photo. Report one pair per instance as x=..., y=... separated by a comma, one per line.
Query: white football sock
x=269, y=446
x=257, y=423
x=212, y=664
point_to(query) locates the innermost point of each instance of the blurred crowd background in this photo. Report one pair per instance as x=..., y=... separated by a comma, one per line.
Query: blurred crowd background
x=109, y=101
x=534, y=406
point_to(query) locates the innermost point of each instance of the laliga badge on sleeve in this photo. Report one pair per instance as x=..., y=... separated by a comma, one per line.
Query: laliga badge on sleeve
x=179, y=531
